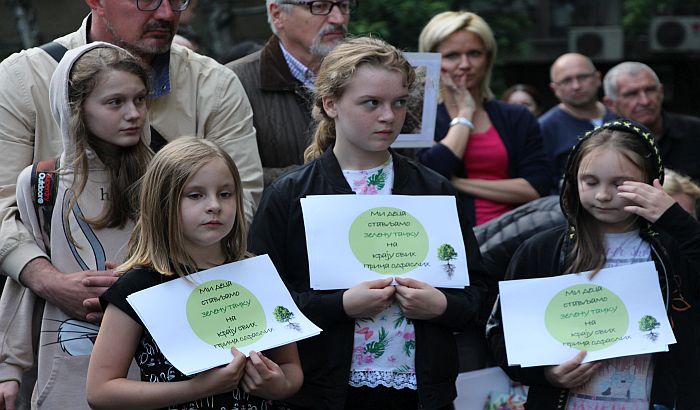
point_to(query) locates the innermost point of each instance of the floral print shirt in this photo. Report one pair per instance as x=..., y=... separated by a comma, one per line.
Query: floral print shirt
x=384, y=346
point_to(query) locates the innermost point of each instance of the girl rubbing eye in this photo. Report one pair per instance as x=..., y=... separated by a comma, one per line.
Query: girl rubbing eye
x=618, y=214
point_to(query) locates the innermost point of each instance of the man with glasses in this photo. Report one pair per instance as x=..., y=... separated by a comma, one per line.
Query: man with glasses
x=633, y=91
x=576, y=83
x=191, y=95
x=280, y=77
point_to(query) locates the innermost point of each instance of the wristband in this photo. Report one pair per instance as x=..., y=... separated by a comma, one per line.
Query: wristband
x=462, y=121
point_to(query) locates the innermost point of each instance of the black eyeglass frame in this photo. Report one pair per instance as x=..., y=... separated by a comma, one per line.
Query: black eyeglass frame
x=157, y=3
x=352, y=5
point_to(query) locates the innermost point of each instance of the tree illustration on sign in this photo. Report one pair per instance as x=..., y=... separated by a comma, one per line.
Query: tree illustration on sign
x=647, y=324
x=284, y=315
x=446, y=253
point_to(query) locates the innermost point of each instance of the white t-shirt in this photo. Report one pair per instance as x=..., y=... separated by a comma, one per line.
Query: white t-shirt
x=623, y=382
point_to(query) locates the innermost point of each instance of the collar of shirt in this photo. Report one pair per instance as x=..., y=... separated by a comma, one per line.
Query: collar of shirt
x=161, y=75
x=299, y=71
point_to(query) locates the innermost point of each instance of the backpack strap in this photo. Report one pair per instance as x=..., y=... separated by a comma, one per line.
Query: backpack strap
x=44, y=184
x=54, y=49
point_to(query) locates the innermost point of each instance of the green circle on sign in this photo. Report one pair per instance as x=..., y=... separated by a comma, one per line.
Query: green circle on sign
x=388, y=240
x=223, y=314
x=586, y=317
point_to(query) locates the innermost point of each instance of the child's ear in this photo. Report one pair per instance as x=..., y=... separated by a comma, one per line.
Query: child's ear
x=329, y=107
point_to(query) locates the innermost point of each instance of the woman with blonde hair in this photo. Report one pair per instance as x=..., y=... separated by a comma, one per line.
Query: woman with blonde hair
x=491, y=151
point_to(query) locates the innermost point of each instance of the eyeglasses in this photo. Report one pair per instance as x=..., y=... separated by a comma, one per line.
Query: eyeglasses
x=150, y=5
x=324, y=8
x=568, y=81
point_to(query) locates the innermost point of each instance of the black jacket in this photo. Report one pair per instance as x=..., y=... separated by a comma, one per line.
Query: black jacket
x=675, y=243
x=520, y=134
x=278, y=230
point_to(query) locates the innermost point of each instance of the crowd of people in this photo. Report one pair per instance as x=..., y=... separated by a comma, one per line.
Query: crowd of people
x=132, y=160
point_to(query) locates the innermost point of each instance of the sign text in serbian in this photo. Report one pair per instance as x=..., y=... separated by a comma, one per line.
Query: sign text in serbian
x=389, y=241
x=587, y=317
x=224, y=314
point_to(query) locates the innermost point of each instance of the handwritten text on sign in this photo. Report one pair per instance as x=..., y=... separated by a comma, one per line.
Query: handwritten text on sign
x=223, y=314
x=587, y=317
x=389, y=241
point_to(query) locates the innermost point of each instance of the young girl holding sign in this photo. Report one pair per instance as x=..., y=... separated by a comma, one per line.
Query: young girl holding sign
x=382, y=346
x=191, y=218
x=98, y=97
x=618, y=214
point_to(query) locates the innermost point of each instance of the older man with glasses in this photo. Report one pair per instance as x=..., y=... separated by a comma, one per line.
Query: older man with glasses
x=279, y=79
x=191, y=95
x=576, y=83
x=633, y=91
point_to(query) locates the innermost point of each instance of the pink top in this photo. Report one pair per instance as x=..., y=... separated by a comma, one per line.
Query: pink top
x=486, y=158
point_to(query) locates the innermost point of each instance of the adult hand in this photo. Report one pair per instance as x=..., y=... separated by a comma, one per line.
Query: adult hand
x=74, y=293
x=457, y=98
x=222, y=379
x=649, y=202
x=264, y=378
x=571, y=373
x=8, y=394
x=368, y=299
x=418, y=300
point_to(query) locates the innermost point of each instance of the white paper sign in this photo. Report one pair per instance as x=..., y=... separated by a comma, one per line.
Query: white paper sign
x=546, y=321
x=196, y=320
x=419, y=127
x=356, y=238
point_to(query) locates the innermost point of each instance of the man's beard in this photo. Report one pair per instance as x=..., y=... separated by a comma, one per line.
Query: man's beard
x=138, y=47
x=318, y=48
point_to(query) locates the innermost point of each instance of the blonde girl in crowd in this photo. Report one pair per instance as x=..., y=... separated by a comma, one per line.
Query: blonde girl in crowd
x=191, y=218
x=382, y=346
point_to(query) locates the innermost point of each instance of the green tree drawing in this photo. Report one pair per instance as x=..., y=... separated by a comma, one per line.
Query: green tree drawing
x=446, y=253
x=647, y=324
x=284, y=315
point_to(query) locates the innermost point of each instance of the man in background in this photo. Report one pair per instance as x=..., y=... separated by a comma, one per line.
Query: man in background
x=633, y=91
x=279, y=79
x=576, y=83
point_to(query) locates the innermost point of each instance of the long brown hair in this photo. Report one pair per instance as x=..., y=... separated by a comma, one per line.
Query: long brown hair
x=124, y=165
x=338, y=70
x=157, y=241
x=586, y=250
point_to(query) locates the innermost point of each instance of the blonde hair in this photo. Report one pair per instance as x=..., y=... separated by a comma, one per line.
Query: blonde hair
x=337, y=72
x=676, y=183
x=125, y=165
x=444, y=24
x=157, y=241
